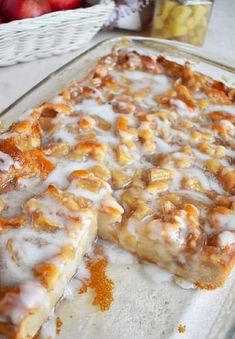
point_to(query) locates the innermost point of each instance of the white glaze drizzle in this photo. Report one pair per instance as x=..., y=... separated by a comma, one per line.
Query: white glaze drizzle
x=6, y=162
x=226, y=238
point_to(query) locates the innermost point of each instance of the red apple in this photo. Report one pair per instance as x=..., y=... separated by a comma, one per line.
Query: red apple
x=21, y=9
x=1, y=20
x=58, y=5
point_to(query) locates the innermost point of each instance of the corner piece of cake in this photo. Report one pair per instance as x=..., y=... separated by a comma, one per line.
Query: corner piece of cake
x=39, y=255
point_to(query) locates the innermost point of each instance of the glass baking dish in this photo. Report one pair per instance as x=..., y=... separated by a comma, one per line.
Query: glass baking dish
x=142, y=308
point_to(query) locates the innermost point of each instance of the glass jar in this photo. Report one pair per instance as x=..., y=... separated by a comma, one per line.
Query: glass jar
x=182, y=20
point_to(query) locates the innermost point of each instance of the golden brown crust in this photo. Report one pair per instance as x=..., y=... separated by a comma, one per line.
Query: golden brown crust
x=21, y=138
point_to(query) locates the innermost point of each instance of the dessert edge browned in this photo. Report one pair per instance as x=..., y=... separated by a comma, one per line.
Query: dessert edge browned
x=144, y=148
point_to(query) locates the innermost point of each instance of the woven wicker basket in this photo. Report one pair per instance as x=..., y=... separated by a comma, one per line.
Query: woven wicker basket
x=50, y=34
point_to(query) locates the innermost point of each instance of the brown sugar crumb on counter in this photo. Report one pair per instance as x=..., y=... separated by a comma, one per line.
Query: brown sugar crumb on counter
x=59, y=324
x=98, y=281
x=182, y=328
x=207, y=287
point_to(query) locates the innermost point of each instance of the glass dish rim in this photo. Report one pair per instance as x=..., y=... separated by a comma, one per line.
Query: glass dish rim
x=180, y=48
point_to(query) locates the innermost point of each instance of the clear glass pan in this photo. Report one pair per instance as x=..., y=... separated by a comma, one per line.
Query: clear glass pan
x=140, y=310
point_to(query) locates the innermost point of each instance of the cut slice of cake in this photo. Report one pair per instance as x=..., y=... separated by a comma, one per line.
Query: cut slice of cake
x=39, y=256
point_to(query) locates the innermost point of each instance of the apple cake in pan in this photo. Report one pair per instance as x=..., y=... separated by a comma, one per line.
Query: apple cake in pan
x=141, y=152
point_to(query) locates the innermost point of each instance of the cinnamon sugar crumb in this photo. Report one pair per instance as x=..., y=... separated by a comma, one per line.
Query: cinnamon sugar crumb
x=59, y=324
x=181, y=328
x=98, y=281
x=207, y=287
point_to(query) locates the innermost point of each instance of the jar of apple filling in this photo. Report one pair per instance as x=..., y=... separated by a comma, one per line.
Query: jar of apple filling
x=182, y=20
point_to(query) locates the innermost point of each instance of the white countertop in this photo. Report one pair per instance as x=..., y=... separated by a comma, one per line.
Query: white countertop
x=220, y=41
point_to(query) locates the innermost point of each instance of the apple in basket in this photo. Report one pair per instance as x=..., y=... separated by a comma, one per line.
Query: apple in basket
x=58, y=5
x=21, y=9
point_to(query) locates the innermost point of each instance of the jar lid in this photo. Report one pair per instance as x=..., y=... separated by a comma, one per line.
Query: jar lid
x=195, y=2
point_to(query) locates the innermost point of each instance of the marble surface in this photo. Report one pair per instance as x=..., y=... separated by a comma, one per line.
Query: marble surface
x=219, y=43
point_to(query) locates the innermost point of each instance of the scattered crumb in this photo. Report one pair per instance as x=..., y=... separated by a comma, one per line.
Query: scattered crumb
x=98, y=281
x=70, y=316
x=59, y=324
x=2, y=204
x=207, y=287
x=181, y=328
